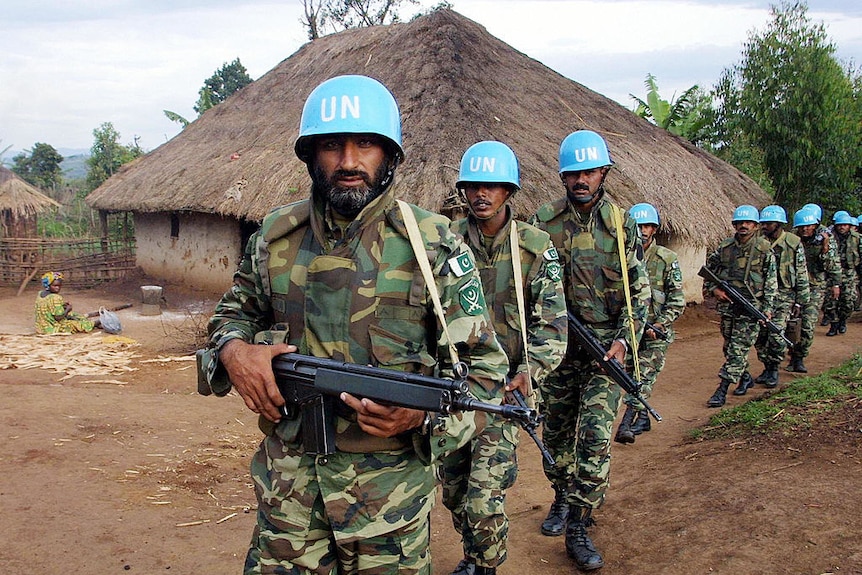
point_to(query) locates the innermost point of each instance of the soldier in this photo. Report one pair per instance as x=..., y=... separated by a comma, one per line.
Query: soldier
x=847, y=246
x=793, y=289
x=824, y=276
x=532, y=331
x=335, y=276
x=580, y=401
x=826, y=232
x=667, y=304
x=746, y=262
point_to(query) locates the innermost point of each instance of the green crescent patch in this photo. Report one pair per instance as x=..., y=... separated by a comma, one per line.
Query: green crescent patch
x=472, y=298
x=554, y=271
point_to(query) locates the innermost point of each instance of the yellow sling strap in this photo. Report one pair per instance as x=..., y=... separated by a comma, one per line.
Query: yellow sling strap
x=519, y=295
x=418, y=246
x=621, y=247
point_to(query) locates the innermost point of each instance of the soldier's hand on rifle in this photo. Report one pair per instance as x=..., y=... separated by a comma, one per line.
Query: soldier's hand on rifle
x=720, y=295
x=383, y=420
x=250, y=370
x=651, y=333
x=617, y=351
x=522, y=383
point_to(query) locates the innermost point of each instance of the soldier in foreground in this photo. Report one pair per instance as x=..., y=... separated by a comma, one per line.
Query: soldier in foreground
x=667, y=304
x=746, y=262
x=793, y=289
x=579, y=401
x=510, y=255
x=335, y=276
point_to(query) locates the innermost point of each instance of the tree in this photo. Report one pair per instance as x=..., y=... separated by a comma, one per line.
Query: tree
x=686, y=116
x=337, y=15
x=41, y=168
x=107, y=155
x=790, y=98
x=226, y=81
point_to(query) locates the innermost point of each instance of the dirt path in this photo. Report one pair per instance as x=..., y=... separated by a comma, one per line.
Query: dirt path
x=137, y=473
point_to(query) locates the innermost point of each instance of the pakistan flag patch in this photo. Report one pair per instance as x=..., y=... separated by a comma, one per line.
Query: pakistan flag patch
x=472, y=298
x=554, y=271
x=461, y=265
x=675, y=272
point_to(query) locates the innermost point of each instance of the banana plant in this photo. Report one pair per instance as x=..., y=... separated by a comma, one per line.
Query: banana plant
x=683, y=116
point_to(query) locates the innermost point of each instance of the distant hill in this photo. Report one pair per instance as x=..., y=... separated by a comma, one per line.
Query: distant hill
x=74, y=164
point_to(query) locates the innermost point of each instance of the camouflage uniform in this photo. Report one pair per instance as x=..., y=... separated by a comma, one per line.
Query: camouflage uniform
x=824, y=271
x=355, y=295
x=793, y=288
x=750, y=268
x=847, y=247
x=667, y=304
x=475, y=478
x=579, y=401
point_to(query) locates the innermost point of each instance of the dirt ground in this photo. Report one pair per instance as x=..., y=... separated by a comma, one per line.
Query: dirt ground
x=134, y=472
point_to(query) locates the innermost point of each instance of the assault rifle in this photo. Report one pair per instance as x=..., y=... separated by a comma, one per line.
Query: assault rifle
x=744, y=304
x=312, y=385
x=659, y=332
x=610, y=366
x=531, y=426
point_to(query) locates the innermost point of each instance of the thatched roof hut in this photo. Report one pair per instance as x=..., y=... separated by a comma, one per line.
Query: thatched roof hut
x=20, y=202
x=456, y=84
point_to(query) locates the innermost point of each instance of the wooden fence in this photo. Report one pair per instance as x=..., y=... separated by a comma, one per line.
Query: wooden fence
x=83, y=262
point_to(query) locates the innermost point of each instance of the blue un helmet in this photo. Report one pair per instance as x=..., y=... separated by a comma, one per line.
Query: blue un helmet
x=644, y=214
x=489, y=162
x=816, y=210
x=349, y=105
x=773, y=214
x=583, y=150
x=842, y=217
x=745, y=213
x=805, y=216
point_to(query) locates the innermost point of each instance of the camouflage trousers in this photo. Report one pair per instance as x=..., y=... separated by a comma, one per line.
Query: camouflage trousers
x=651, y=355
x=841, y=309
x=579, y=404
x=475, y=479
x=294, y=535
x=739, y=333
x=770, y=347
x=810, y=317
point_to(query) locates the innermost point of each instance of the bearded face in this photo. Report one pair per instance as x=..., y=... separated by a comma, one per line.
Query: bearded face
x=349, y=200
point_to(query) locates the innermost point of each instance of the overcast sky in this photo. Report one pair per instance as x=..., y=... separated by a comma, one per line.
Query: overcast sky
x=67, y=66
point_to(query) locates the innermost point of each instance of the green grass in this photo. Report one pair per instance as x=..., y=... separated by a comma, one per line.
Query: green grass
x=791, y=408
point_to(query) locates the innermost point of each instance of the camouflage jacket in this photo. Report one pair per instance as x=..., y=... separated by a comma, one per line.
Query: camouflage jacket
x=749, y=267
x=821, y=260
x=848, y=251
x=592, y=271
x=357, y=295
x=791, y=268
x=665, y=279
x=544, y=300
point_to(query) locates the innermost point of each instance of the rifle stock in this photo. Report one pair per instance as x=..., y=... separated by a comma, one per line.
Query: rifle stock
x=611, y=366
x=312, y=385
x=744, y=304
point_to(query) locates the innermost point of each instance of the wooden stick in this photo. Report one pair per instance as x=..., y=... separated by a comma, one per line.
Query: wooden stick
x=26, y=281
x=118, y=308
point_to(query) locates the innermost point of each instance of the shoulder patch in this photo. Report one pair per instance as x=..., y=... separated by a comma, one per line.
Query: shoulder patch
x=461, y=265
x=554, y=271
x=551, y=254
x=471, y=297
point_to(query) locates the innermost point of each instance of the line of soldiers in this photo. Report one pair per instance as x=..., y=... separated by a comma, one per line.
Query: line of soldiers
x=354, y=275
x=783, y=274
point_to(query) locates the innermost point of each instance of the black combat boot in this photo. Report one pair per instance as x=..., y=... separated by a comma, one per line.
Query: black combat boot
x=833, y=329
x=465, y=567
x=797, y=365
x=642, y=422
x=624, y=431
x=579, y=546
x=717, y=399
x=824, y=322
x=485, y=570
x=745, y=383
x=769, y=377
x=842, y=326
x=555, y=523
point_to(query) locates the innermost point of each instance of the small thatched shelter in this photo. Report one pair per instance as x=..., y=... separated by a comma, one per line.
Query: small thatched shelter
x=20, y=203
x=456, y=84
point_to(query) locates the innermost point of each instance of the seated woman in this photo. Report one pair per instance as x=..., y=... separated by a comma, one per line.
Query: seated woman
x=53, y=314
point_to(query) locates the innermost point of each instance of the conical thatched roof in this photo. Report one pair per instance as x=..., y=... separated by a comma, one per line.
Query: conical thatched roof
x=20, y=198
x=456, y=84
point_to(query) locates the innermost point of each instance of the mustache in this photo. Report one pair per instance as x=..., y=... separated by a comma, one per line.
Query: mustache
x=350, y=174
x=584, y=187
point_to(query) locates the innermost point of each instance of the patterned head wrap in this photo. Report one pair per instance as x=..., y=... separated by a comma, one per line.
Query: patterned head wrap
x=49, y=278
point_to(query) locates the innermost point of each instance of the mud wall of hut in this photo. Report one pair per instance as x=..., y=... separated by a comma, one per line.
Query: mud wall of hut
x=199, y=250
x=691, y=258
